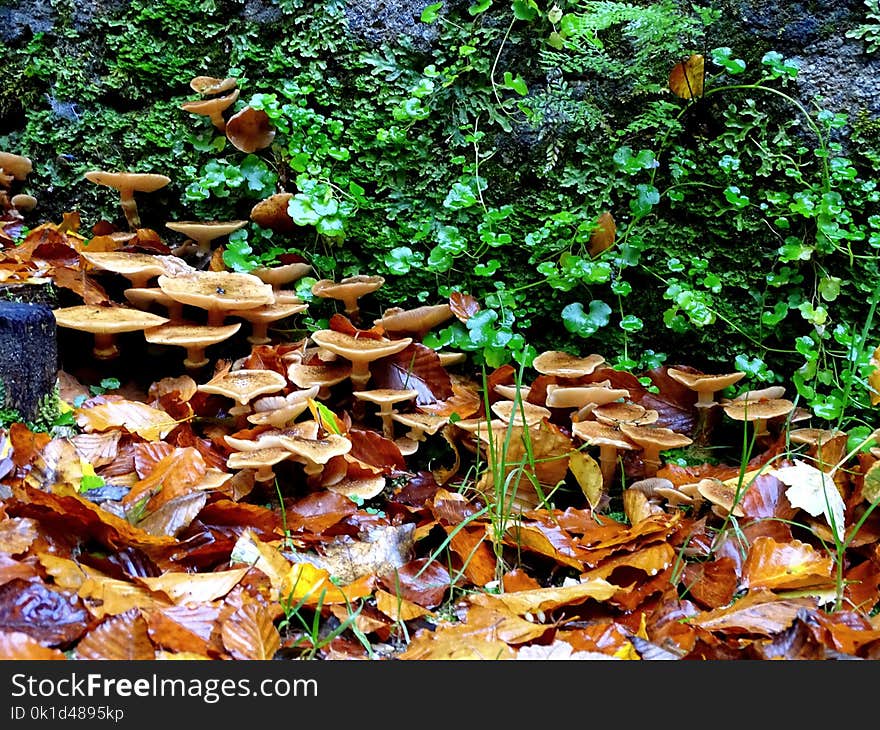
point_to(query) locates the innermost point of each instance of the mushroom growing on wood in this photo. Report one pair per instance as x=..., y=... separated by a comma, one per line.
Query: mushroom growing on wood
x=213, y=108
x=348, y=290
x=105, y=323
x=127, y=184
x=195, y=338
x=360, y=352
x=653, y=440
x=203, y=233
x=218, y=292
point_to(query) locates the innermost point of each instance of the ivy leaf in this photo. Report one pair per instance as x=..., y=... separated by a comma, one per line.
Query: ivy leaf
x=583, y=323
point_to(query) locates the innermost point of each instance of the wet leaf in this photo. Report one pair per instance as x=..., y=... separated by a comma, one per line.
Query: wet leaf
x=147, y=422
x=603, y=235
x=471, y=546
x=397, y=608
x=457, y=642
x=250, y=633
x=17, y=535
x=373, y=449
x=188, y=629
x=174, y=515
x=758, y=612
x=789, y=565
x=183, y=588
x=174, y=475
x=122, y=637
x=105, y=596
x=312, y=586
x=712, y=584
x=416, y=367
x=463, y=306
x=686, y=77
x=421, y=581
x=588, y=475
x=549, y=599
x=52, y=617
x=318, y=512
x=20, y=646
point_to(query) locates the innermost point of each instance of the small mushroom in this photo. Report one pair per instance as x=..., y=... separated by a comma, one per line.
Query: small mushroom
x=416, y=323
x=324, y=376
x=314, y=453
x=138, y=268
x=614, y=414
x=349, y=290
x=204, y=233
x=359, y=488
x=609, y=440
x=386, y=399
x=721, y=495
x=261, y=317
x=213, y=108
x=209, y=85
x=280, y=276
x=508, y=410
x=704, y=385
x=195, y=338
x=260, y=460
x=244, y=385
x=512, y=392
x=105, y=323
x=583, y=397
x=280, y=411
x=218, y=292
x=250, y=130
x=127, y=184
x=23, y=203
x=564, y=365
x=146, y=297
x=16, y=167
x=653, y=440
x=360, y=352
x=758, y=412
x=420, y=425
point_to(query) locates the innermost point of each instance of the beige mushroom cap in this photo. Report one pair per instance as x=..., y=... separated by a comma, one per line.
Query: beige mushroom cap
x=613, y=414
x=105, y=322
x=360, y=352
x=655, y=436
x=245, y=385
x=23, y=202
x=16, y=165
x=420, y=424
x=363, y=488
x=279, y=276
x=578, y=396
x=195, y=338
x=145, y=297
x=138, y=268
x=510, y=392
x=217, y=291
x=416, y=322
x=261, y=460
x=261, y=317
x=752, y=410
x=209, y=85
x=203, y=232
x=599, y=434
x=771, y=392
x=139, y=182
x=315, y=453
x=212, y=107
x=564, y=365
x=508, y=410
x=386, y=396
x=703, y=384
x=250, y=130
x=348, y=290
x=324, y=376
x=720, y=494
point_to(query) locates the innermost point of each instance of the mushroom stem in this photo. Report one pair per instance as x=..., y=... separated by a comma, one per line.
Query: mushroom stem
x=129, y=207
x=651, y=460
x=105, y=346
x=259, y=333
x=607, y=463
x=216, y=316
x=195, y=358
x=360, y=374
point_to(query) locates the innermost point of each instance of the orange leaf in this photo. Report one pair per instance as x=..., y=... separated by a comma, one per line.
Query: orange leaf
x=122, y=637
x=603, y=234
x=397, y=608
x=760, y=611
x=796, y=564
x=686, y=78
x=183, y=588
x=17, y=534
x=18, y=645
x=311, y=585
x=189, y=629
x=173, y=476
x=470, y=545
x=250, y=633
x=108, y=596
x=457, y=642
x=147, y=422
x=463, y=306
x=547, y=599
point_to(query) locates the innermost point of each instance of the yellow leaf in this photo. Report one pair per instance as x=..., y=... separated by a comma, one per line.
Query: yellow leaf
x=686, y=78
x=627, y=651
x=588, y=474
x=312, y=586
x=195, y=587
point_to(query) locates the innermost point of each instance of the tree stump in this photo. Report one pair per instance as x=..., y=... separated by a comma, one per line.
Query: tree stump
x=28, y=356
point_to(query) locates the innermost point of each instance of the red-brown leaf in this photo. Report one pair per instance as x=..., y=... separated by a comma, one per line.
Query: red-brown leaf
x=52, y=617
x=250, y=633
x=416, y=367
x=463, y=306
x=421, y=581
x=122, y=637
x=374, y=449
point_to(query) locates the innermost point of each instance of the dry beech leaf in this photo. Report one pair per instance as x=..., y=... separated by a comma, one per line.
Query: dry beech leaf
x=546, y=539
x=147, y=422
x=98, y=449
x=560, y=650
x=20, y=646
x=265, y=557
x=250, y=633
x=651, y=560
x=52, y=617
x=788, y=565
x=67, y=574
x=548, y=599
x=176, y=474
x=175, y=515
x=17, y=534
x=186, y=629
x=122, y=637
x=463, y=306
x=381, y=550
x=418, y=368
x=470, y=544
x=686, y=78
x=397, y=608
x=462, y=642
x=588, y=475
x=183, y=588
x=813, y=491
x=109, y=596
x=603, y=235
x=502, y=623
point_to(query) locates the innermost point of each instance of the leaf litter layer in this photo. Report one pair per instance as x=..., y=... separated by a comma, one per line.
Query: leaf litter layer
x=483, y=516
